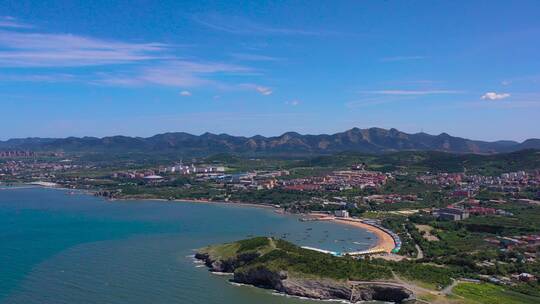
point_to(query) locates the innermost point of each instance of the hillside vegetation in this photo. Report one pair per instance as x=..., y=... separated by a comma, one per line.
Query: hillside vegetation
x=372, y=140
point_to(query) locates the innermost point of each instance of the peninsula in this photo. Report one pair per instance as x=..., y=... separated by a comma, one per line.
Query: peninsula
x=280, y=265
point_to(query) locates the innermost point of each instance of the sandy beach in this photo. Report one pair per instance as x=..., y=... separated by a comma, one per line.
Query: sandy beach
x=385, y=240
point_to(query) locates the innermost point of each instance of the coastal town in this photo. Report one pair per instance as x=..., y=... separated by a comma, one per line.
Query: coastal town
x=482, y=226
x=409, y=224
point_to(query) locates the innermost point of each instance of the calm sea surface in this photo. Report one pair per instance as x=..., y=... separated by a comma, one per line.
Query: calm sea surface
x=62, y=248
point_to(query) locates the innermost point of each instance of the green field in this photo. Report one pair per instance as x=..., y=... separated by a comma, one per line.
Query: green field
x=491, y=294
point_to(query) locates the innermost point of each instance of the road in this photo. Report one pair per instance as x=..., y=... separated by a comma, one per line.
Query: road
x=448, y=289
x=420, y=254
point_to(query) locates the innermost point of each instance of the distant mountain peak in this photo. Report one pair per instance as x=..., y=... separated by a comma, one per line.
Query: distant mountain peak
x=371, y=140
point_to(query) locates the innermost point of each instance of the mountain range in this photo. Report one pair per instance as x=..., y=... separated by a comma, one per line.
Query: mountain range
x=372, y=140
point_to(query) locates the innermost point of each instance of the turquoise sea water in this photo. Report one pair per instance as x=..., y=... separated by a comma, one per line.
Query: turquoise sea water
x=62, y=248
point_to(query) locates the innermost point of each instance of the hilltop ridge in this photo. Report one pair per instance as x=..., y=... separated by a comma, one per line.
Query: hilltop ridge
x=372, y=140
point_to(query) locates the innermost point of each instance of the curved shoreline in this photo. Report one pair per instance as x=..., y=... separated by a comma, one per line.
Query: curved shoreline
x=385, y=242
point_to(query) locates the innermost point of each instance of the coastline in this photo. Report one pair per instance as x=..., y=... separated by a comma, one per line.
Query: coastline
x=385, y=242
x=288, y=282
x=203, y=201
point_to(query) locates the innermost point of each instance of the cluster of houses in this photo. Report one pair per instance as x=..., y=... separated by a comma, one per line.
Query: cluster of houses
x=468, y=185
x=16, y=154
x=528, y=245
x=208, y=173
x=191, y=169
x=38, y=170
x=441, y=179
x=133, y=174
x=256, y=180
x=463, y=209
x=153, y=174
x=390, y=198
x=338, y=181
x=503, y=280
x=521, y=241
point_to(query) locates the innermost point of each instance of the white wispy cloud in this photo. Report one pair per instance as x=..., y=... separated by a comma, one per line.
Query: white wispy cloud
x=10, y=22
x=264, y=90
x=173, y=73
x=378, y=97
x=129, y=63
x=185, y=93
x=293, y=102
x=401, y=58
x=34, y=49
x=412, y=92
x=242, y=26
x=495, y=96
x=378, y=100
x=47, y=78
x=522, y=80
x=253, y=57
x=423, y=82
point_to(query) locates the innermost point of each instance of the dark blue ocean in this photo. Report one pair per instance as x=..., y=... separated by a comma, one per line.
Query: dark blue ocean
x=57, y=247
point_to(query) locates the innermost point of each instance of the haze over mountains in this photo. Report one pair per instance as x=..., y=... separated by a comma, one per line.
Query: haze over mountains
x=372, y=140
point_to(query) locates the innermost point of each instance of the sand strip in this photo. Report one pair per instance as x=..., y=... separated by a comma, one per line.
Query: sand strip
x=385, y=240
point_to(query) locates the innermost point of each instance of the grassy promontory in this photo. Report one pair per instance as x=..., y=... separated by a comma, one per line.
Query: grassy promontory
x=280, y=255
x=282, y=266
x=285, y=267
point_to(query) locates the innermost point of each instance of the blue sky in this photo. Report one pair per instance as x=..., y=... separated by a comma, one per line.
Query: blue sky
x=98, y=68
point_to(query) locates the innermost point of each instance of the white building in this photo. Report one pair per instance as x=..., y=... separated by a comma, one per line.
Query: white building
x=341, y=213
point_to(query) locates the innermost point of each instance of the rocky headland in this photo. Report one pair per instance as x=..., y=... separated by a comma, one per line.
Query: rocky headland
x=268, y=263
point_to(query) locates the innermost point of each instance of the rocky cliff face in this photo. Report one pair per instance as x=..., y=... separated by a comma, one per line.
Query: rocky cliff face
x=220, y=265
x=324, y=289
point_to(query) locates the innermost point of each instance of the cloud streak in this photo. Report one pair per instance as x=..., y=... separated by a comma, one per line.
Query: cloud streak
x=241, y=26
x=375, y=101
x=265, y=91
x=401, y=58
x=294, y=102
x=135, y=64
x=253, y=57
x=32, y=49
x=45, y=78
x=174, y=73
x=494, y=96
x=412, y=92
x=10, y=22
